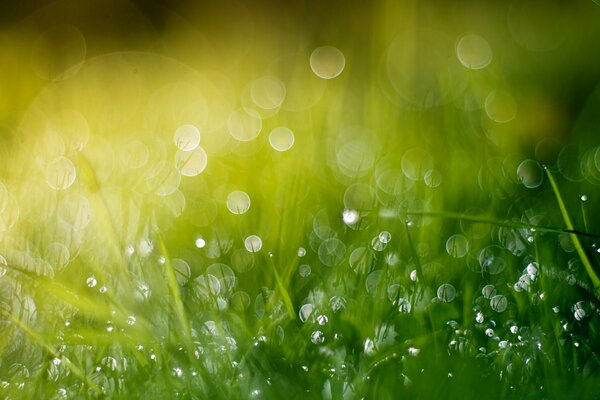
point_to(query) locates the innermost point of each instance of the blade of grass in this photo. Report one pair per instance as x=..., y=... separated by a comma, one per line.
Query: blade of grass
x=497, y=222
x=182, y=317
x=287, y=300
x=174, y=289
x=580, y=251
x=55, y=353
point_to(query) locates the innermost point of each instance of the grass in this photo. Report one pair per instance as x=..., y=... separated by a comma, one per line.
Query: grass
x=430, y=232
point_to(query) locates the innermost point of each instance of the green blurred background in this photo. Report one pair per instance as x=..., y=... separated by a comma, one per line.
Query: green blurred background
x=403, y=165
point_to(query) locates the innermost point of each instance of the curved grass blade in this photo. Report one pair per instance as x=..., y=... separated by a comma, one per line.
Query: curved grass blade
x=580, y=251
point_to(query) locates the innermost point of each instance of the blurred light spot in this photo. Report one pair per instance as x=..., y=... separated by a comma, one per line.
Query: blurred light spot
x=244, y=124
x=500, y=107
x=473, y=52
x=327, y=62
x=181, y=269
x=281, y=138
x=446, y=292
x=60, y=174
x=331, y=252
x=267, y=92
x=238, y=202
x=191, y=163
x=416, y=162
x=457, y=246
x=530, y=174
x=498, y=303
x=200, y=242
x=253, y=243
x=187, y=137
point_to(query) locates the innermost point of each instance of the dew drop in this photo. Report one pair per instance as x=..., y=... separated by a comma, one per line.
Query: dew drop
x=479, y=318
x=385, y=237
x=238, y=202
x=457, y=246
x=413, y=351
x=304, y=270
x=530, y=174
x=317, y=337
x=498, y=303
x=200, y=242
x=253, y=243
x=305, y=312
x=446, y=292
x=350, y=217
x=91, y=282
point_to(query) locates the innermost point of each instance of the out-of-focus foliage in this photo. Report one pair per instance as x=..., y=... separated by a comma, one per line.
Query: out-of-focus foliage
x=335, y=200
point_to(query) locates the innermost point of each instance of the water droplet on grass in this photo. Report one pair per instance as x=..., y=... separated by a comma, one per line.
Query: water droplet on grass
x=488, y=291
x=530, y=174
x=337, y=303
x=350, y=217
x=498, y=303
x=91, y=282
x=413, y=351
x=238, y=202
x=253, y=243
x=446, y=292
x=413, y=275
x=332, y=252
x=579, y=311
x=385, y=237
x=304, y=270
x=479, y=318
x=317, y=337
x=492, y=259
x=457, y=246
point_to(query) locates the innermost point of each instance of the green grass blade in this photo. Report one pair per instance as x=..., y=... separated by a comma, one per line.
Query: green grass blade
x=580, y=251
